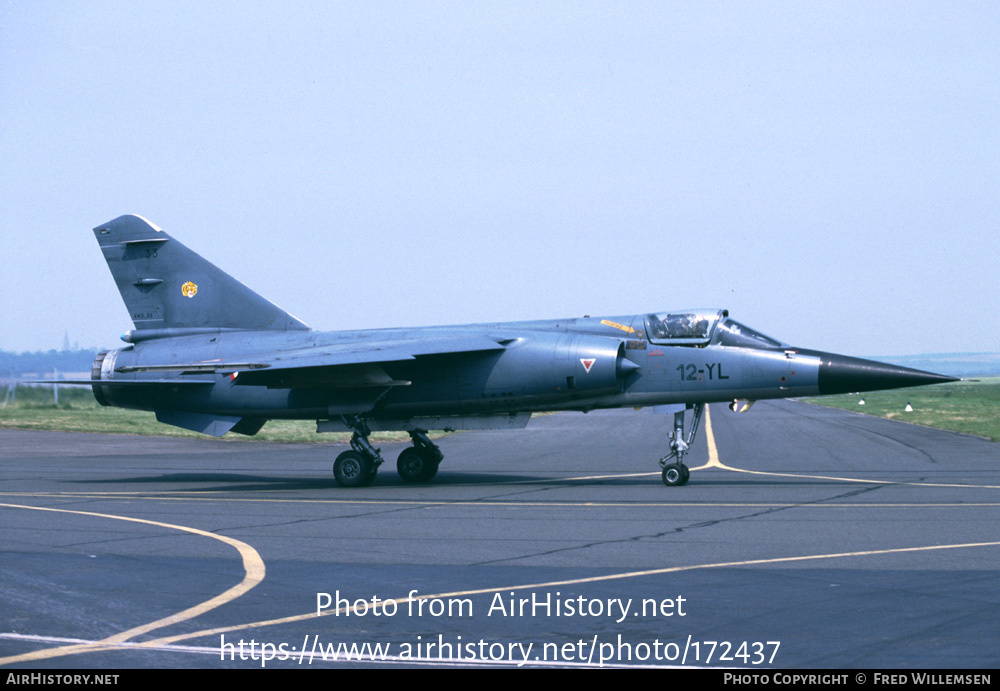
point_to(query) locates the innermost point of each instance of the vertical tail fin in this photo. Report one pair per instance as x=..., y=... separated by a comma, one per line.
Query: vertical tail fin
x=167, y=286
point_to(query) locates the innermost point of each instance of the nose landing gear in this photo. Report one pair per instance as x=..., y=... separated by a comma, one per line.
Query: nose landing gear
x=675, y=473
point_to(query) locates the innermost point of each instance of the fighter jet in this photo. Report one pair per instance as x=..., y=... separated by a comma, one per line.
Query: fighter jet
x=209, y=354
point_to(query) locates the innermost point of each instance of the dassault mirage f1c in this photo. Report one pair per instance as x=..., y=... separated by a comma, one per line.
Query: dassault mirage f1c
x=209, y=354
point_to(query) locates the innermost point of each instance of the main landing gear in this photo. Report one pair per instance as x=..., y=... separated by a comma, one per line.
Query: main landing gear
x=419, y=463
x=675, y=473
x=359, y=466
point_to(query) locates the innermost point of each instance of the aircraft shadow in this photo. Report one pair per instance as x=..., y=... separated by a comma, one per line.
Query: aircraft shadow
x=242, y=482
x=232, y=482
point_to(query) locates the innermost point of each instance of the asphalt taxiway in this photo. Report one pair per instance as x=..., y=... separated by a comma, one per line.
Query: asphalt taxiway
x=807, y=537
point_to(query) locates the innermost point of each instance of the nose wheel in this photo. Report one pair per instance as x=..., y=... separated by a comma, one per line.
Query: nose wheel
x=675, y=473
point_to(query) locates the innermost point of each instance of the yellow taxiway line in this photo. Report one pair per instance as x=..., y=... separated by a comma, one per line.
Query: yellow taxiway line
x=253, y=567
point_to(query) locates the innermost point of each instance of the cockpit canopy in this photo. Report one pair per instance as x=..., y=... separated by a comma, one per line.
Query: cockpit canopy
x=731, y=333
x=690, y=327
x=704, y=326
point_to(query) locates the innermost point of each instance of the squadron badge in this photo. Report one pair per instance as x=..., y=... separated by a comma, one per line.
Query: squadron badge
x=189, y=289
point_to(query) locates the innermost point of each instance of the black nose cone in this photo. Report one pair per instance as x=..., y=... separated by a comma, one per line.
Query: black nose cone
x=842, y=374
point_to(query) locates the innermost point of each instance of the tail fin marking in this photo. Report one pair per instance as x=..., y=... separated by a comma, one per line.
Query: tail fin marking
x=165, y=285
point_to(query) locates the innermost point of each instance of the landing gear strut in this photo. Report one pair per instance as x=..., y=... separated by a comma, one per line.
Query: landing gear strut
x=675, y=473
x=358, y=467
x=419, y=463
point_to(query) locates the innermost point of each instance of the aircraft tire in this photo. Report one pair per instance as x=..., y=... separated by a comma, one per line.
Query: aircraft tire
x=413, y=467
x=432, y=470
x=370, y=477
x=687, y=475
x=433, y=461
x=351, y=469
x=674, y=475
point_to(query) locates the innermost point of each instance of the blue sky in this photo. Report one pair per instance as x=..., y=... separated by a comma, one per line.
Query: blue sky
x=829, y=172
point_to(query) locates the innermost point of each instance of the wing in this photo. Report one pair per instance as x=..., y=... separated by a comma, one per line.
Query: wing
x=347, y=365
